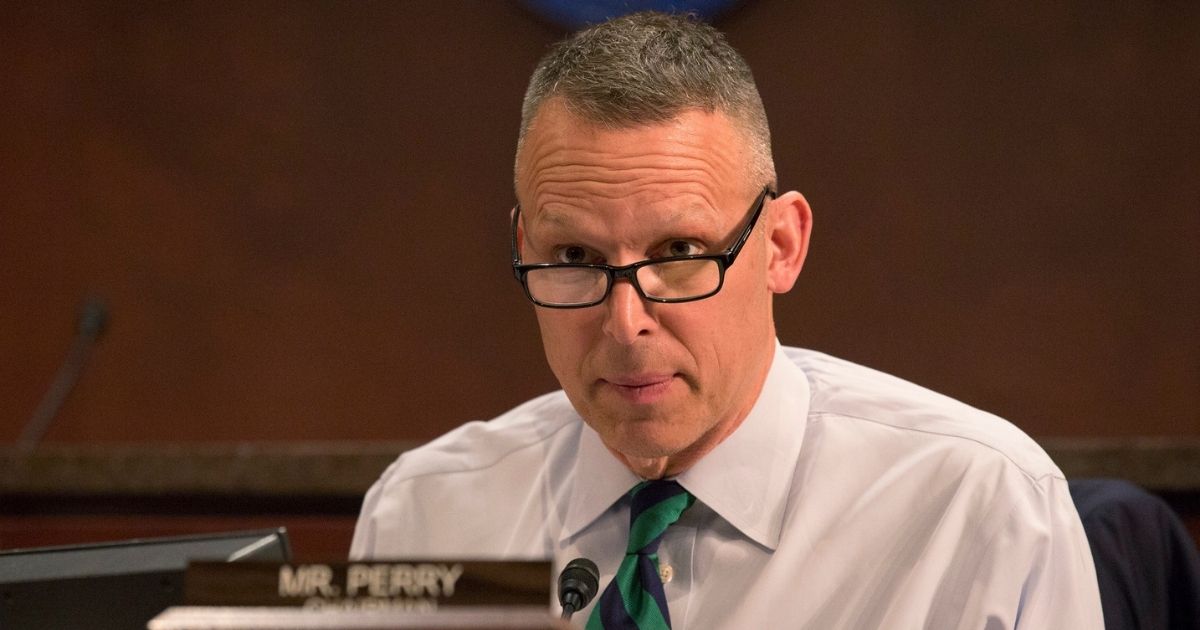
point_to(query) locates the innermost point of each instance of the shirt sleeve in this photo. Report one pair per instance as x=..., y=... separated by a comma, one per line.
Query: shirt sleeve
x=362, y=546
x=1044, y=546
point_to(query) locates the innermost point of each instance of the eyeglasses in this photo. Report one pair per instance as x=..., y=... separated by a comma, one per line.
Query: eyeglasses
x=667, y=280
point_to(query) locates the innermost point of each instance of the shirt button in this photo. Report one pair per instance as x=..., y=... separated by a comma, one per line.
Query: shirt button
x=665, y=572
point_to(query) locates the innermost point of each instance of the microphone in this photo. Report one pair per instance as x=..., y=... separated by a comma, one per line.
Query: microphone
x=577, y=585
x=92, y=320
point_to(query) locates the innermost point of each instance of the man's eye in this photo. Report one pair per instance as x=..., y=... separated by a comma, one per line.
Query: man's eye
x=681, y=248
x=571, y=254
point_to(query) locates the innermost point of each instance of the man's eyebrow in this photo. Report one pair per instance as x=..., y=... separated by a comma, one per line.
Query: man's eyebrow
x=552, y=217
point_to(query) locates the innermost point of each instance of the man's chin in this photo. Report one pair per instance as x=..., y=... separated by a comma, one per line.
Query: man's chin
x=647, y=440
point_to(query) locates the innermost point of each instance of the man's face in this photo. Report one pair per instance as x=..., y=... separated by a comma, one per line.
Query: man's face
x=654, y=380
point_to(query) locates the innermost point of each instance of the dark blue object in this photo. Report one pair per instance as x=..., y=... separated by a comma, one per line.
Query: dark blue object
x=575, y=14
x=1146, y=562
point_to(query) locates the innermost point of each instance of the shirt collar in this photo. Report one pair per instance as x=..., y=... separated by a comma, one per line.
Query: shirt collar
x=598, y=481
x=746, y=479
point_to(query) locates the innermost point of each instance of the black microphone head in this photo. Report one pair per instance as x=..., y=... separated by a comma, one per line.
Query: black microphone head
x=93, y=318
x=580, y=577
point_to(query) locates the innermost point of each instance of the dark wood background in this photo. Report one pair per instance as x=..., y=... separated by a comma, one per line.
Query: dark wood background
x=297, y=212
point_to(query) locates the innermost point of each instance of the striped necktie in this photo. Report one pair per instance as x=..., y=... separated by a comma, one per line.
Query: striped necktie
x=635, y=600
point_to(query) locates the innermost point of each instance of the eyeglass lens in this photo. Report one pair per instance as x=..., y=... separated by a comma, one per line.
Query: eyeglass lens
x=667, y=279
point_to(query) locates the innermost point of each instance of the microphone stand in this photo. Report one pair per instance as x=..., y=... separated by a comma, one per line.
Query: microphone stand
x=93, y=318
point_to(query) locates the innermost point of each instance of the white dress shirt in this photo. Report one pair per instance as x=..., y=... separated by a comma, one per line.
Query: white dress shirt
x=848, y=498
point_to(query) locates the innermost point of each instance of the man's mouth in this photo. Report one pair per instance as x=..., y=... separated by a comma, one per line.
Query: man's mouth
x=641, y=389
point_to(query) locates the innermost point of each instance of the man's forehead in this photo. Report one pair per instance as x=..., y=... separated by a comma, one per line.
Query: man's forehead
x=696, y=145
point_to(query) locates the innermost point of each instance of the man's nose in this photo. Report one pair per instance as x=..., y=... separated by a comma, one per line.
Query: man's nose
x=627, y=315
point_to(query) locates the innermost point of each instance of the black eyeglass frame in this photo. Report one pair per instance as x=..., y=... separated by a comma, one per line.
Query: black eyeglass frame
x=724, y=260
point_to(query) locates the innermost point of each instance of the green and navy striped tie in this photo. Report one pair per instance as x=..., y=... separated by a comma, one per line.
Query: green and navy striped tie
x=635, y=598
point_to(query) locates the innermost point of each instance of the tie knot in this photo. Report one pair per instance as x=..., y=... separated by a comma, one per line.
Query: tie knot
x=656, y=505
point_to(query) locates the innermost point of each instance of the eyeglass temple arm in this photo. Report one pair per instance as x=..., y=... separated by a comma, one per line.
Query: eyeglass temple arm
x=516, y=255
x=731, y=254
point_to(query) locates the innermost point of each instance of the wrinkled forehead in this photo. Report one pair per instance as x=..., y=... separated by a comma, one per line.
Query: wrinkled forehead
x=562, y=154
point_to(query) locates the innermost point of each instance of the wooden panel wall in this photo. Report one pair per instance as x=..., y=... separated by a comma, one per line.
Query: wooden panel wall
x=297, y=211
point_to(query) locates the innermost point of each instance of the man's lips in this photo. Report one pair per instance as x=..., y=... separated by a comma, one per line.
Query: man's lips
x=640, y=388
x=639, y=380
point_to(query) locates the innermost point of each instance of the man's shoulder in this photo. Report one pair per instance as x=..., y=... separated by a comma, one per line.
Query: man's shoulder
x=482, y=490
x=523, y=433
x=845, y=393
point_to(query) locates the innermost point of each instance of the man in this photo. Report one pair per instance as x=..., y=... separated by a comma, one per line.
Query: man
x=768, y=486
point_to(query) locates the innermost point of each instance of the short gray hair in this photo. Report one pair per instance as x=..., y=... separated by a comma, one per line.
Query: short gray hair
x=649, y=67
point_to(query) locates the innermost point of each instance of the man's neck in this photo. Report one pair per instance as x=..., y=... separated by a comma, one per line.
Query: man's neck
x=674, y=465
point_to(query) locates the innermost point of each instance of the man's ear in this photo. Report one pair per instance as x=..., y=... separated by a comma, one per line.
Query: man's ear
x=788, y=233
